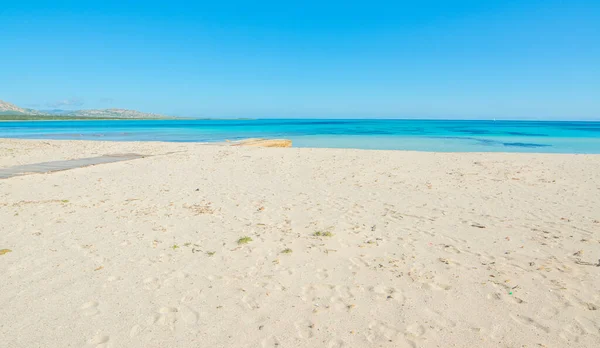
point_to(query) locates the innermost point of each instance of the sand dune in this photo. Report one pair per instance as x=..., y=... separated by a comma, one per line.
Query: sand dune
x=346, y=248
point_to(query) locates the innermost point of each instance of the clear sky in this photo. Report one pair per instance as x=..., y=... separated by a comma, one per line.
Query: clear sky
x=371, y=59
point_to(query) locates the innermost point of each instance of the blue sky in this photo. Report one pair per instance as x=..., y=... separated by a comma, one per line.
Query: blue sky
x=371, y=59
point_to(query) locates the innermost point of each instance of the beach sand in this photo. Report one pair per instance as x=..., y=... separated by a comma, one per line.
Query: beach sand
x=349, y=248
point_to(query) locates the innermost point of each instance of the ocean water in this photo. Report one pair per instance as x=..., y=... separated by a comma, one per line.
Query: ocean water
x=419, y=135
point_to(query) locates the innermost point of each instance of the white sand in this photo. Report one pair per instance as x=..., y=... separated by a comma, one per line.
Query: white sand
x=116, y=255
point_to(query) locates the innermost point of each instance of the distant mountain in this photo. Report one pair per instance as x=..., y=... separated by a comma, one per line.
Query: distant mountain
x=11, y=109
x=113, y=113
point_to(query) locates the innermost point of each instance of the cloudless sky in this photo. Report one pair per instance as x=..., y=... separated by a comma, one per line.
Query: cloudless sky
x=372, y=59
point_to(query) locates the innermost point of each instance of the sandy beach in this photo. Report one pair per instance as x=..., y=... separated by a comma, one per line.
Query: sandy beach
x=221, y=246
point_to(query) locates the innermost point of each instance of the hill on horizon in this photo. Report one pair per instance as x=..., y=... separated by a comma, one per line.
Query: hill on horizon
x=7, y=108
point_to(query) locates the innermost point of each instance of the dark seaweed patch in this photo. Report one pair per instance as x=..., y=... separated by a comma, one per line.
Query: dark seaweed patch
x=525, y=145
x=527, y=134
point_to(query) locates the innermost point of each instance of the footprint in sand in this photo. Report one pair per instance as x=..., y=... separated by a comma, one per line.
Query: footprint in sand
x=151, y=283
x=304, y=328
x=572, y=332
x=188, y=315
x=110, y=281
x=385, y=293
x=590, y=327
x=270, y=286
x=438, y=319
x=89, y=309
x=250, y=302
x=357, y=263
x=391, y=216
x=135, y=330
x=414, y=334
x=322, y=274
x=382, y=332
x=523, y=320
x=336, y=343
x=450, y=249
x=98, y=341
x=168, y=316
x=548, y=312
x=312, y=292
x=427, y=279
x=344, y=292
x=436, y=286
x=325, y=296
x=270, y=342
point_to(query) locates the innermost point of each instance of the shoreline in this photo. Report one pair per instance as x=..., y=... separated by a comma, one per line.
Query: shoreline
x=232, y=143
x=183, y=118
x=419, y=135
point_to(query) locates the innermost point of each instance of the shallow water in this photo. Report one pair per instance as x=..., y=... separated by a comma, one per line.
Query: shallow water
x=420, y=135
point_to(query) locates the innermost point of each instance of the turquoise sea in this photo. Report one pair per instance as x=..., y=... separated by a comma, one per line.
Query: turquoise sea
x=420, y=135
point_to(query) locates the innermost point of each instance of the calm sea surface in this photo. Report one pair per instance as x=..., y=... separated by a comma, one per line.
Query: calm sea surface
x=422, y=135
